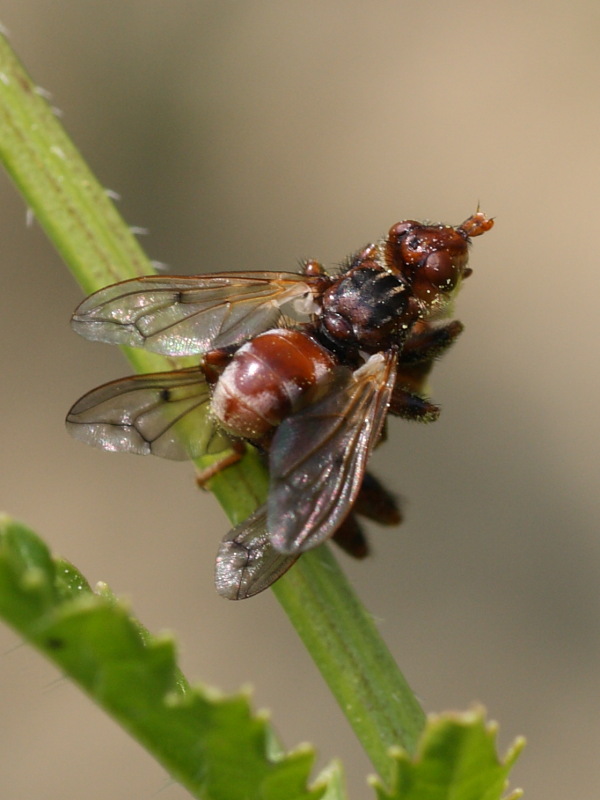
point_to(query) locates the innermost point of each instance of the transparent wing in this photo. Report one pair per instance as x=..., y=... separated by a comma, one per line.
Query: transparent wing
x=247, y=562
x=166, y=414
x=180, y=316
x=318, y=456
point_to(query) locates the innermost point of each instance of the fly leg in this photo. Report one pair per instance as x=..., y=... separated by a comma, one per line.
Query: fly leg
x=426, y=343
x=373, y=502
x=205, y=474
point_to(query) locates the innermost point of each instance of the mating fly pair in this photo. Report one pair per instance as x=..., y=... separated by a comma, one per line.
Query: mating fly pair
x=303, y=366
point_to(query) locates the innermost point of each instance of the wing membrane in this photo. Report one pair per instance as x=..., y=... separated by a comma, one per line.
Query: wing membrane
x=318, y=456
x=181, y=316
x=247, y=562
x=165, y=414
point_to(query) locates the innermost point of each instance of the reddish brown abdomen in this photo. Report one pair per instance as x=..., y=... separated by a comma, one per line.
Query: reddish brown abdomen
x=267, y=380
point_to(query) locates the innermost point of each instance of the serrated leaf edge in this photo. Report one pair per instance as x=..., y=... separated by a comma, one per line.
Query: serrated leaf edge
x=34, y=579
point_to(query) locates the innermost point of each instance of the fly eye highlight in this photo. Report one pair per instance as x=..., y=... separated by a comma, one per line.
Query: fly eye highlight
x=441, y=271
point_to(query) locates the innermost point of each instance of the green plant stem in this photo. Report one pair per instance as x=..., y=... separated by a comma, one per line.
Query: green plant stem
x=351, y=655
x=99, y=249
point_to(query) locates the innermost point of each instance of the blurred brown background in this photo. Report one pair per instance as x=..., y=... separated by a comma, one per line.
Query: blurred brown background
x=249, y=135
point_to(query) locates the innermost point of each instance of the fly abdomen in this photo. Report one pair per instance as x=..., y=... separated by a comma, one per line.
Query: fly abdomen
x=267, y=379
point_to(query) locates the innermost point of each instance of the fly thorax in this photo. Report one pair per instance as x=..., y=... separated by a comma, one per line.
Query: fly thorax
x=366, y=309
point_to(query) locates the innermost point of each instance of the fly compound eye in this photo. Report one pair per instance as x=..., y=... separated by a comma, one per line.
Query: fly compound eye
x=412, y=250
x=403, y=245
x=400, y=229
x=441, y=271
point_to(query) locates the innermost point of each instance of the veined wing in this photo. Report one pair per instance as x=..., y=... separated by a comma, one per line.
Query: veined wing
x=180, y=316
x=166, y=414
x=247, y=562
x=318, y=456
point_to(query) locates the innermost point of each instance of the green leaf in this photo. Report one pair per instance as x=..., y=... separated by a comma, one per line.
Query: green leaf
x=212, y=744
x=455, y=760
